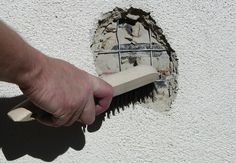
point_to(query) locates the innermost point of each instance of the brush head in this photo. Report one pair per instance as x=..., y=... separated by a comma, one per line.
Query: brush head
x=138, y=95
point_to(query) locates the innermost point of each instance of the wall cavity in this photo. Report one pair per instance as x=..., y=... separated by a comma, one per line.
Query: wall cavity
x=129, y=37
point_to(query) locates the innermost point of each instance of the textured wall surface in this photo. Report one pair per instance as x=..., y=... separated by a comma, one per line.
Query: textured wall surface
x=200, y=127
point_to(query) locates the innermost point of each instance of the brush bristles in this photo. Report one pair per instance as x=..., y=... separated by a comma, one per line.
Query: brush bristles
x=139, y=95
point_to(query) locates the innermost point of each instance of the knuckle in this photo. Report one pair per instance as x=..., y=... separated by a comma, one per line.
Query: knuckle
x=59, y=113
x=110, y=91
x=72, y=105
x=87, y=118
x=90, y=120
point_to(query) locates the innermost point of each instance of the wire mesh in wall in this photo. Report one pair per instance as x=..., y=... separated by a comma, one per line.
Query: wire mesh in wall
x=129, y=37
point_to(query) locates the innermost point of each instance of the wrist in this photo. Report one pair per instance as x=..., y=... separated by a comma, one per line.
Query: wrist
x=32, y=68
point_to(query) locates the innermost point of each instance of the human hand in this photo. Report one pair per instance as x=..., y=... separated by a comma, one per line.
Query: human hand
x=67, y=92
x=54, y=85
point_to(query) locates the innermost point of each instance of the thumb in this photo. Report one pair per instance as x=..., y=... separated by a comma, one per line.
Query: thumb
x=103, y=93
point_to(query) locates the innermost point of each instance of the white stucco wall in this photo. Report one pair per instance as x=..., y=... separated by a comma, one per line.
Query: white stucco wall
x=200, y=127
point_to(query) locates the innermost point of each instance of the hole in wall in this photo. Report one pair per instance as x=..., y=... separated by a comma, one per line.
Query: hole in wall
x=129, y=37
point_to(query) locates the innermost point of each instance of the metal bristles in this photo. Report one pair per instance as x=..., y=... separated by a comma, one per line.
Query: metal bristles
x=139, y=95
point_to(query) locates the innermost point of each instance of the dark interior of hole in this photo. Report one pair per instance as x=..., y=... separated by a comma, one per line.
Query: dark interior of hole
x=127, y=20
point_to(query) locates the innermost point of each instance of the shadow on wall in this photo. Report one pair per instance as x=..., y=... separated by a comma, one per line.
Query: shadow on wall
x=34, y=139
x=39, y=141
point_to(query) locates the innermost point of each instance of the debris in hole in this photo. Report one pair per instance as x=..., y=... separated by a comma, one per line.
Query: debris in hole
x=129, y=37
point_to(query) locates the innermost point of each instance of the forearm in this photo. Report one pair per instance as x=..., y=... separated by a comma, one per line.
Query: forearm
x=18, y=60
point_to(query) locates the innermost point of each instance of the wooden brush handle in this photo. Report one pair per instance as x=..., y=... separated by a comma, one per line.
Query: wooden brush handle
x=121, y=82
x=26, y=111
x=21, y=112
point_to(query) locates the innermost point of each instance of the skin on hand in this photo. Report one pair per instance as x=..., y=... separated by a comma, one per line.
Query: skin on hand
x=54, y=85
x=66, y=92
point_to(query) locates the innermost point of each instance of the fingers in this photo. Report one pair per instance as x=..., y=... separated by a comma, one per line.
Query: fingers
x=88, y=114
x=54, y=121
x=103, y=93
x=85, y=114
